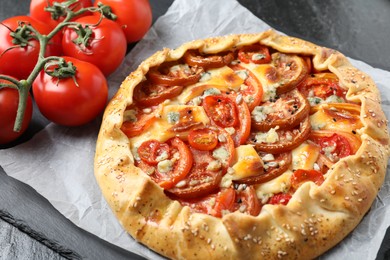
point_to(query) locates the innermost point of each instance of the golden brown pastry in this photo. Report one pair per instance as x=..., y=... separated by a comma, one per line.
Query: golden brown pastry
x=245, y=146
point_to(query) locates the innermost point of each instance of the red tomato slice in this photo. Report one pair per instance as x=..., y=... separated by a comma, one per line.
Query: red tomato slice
x=335, y=145
x=148, y=94
x=222, y=110
x=253, y=92
x=174, y=75
x=203, y=139
x=257, y=54
x=203, y=178
x=300, y=176
x=272, y=169
x=247, y=201
x=322, y=85
x=224, y=201
x=138, y=125
x=287, y=140
x=210, y=61
x=286, y=112
x=243, y=130
x=280, y=198
x=151, y=150
x=179, y=161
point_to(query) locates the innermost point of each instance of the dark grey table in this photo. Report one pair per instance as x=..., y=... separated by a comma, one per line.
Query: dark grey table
x=30, y=228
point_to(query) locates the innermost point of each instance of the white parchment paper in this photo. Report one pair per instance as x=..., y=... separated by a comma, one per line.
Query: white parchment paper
x=58, y=161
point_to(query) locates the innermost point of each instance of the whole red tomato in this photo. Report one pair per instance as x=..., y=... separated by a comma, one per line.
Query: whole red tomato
x=106, y=47
x=37, y=10
x=65, y=103
x=19, y=61
x=9, y=99
x=134, y=16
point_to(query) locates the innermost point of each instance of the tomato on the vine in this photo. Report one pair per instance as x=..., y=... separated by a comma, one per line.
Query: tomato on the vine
x=19, y=60
x=65, y=103
x=106, y=46
x=134, y=16
x=37, y=10
x=9, y=99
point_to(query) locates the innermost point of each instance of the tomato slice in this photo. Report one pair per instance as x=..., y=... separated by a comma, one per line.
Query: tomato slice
x=168, y=172
x=153, y=151
x=335, y=145
x=286, y=112
x=138, y=122
x=301, y=176
x=274, y=166
x=242, y=131
x=224, y=201
x=252, y=92
x=207, y=169
x=289, y=71
x=247, y=201
x=280, y=198
x=204, y=139
x=148, y=94
x=322, y=85
x=174, y=74
x=258, y=54
x=221, y=110
x=207, y=61
x=280, y=141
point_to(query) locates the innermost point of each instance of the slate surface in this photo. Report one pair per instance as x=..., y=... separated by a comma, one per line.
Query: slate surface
x=30, y=228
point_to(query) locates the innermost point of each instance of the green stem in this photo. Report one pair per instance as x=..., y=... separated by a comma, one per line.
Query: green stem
x=23, y=95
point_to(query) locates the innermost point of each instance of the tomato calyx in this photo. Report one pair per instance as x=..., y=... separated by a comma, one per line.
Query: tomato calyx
x=22, y=35
x=106, y=11
x=61, y=69
x=59, y=9
x=84, y=36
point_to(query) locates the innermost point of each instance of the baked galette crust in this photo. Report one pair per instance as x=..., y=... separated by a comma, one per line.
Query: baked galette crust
x=315, y=219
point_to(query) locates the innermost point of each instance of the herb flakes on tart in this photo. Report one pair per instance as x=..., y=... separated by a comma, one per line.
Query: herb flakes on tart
x=244, y=146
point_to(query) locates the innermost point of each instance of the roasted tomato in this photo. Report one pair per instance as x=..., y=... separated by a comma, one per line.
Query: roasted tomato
x=148, y=94
x=257, y=54
x=288, y=70
x=280, y=198
x=207, y=61
x=322, y=87
x=251, y=91
x=173, y=74
x=225, y=201
x=228, y=112
x=286, y=112
x=274, y=165
x=204, y=139
x=335, y=145
x=153, y=151
x=301, y=176
x=222, y=110
x=247, y=201
x=207, y=169
x=172, y=167
x=137, y=120
x=279, y=141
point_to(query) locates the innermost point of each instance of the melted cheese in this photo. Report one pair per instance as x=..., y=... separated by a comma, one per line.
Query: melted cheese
x=224, y=79
x=304, y=156
x=280, y=184
x=246, y=162
x=171, y=116
x=261, y=71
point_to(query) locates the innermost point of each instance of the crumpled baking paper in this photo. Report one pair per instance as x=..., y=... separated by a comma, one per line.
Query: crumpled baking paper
x=58, y=161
